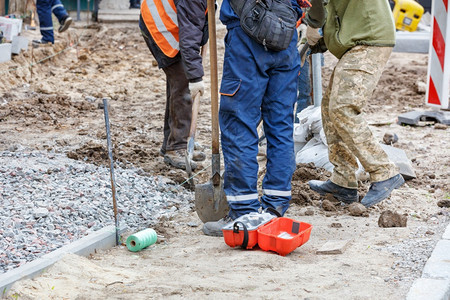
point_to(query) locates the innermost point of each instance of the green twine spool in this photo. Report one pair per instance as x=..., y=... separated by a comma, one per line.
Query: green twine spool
x=141, y=239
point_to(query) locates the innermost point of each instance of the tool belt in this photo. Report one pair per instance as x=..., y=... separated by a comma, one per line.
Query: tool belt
x=269, y=22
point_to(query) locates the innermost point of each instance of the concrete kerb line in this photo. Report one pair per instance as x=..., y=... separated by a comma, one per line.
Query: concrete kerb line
x=435, y=281
x=104, y=238
x=45, y=58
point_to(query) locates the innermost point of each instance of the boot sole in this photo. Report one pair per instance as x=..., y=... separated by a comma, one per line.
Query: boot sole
x=344, y=200
x=208, y=232
x=398, y=183
x=65, y=26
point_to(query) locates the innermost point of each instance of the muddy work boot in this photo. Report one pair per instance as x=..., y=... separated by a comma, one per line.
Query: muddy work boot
x=215, y=228
x=341, y=193
x=379, y=191
x=65, y=23
x=196, y=156
x=177, y=159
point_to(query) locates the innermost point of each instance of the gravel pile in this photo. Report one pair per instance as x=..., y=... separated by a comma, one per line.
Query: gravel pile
x=48, y=200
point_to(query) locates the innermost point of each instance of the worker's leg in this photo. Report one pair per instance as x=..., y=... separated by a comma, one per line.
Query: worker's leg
x=277, y=106
x=304, y=89
x=59, y=10
x=345, y=165
x=178, y=108
x=44, y=10
x=355, y=78
x=243, y=85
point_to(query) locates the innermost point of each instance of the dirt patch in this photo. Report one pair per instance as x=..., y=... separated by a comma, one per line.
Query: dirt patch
x=301, y=193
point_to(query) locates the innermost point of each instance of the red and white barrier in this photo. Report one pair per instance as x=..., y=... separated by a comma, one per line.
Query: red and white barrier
x=439, y=56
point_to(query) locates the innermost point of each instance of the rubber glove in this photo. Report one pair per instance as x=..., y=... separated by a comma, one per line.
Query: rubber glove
x=301, y=36
x=312, y=35
x=196, y=88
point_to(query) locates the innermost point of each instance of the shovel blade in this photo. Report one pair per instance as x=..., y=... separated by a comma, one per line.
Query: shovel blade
x=210, y=202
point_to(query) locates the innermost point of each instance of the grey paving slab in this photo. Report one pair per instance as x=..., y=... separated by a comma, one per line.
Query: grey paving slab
x=19, y=43
x=101, y=239
x=413, y=117
x=413, y=42
x=429, y=289
x=446, y=235
x=5, y=52
x=333, y=247
x=438, y=265
x=401, y=160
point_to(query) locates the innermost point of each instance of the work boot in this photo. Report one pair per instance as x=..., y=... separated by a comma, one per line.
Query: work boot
x=37, y=43
x=379, y=191
x=177, y=159
x=215, y=228
x=197, y=155
x=65, y=23
x=341, y=193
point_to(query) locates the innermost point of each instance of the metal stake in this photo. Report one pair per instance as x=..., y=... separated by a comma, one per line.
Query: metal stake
x=317, y=79
x=113, y=185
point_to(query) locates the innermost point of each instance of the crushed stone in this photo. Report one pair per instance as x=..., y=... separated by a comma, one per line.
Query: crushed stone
x=49, y=200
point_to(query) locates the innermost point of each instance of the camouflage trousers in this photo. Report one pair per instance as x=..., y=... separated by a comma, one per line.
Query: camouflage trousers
x=348, y=134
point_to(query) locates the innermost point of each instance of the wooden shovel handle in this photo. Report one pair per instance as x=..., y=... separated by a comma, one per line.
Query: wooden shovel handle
x=214, y=76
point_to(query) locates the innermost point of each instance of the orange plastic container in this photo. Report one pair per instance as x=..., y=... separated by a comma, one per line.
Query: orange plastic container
x=283, y=235
x=235, y=234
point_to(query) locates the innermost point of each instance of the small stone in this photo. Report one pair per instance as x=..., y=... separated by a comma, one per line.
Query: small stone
x=328, y=206
x=309, y=212
x=440, y=126
x=421, y=87
x=390, y=138
x=443, y=203
x=356, y=209
x=392, y=219
x=336, y=225
x=40, y=212
x=192, y=224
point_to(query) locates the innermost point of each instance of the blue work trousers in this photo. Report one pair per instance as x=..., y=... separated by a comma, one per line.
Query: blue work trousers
x=304, y=89
x=257, y=83
x=45, y=8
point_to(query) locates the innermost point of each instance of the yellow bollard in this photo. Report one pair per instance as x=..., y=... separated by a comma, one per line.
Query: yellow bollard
x=407, y=14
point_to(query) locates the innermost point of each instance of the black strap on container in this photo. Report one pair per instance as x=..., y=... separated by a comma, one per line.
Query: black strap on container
x=273, y=211
x=236, y=230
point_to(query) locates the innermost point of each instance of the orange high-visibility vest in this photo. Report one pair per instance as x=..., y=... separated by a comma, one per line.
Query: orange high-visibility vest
x=160, y=17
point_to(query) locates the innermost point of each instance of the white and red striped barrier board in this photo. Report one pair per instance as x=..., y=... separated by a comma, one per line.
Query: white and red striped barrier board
x=439, y=56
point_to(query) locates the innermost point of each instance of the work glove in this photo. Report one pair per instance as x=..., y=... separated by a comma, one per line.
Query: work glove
x=312, y=35
x=319, y=47
x=196, y=88
x=301, y=36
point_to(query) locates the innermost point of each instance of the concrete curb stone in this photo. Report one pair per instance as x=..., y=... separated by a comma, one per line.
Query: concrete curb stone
x=104, y=238
x=435, y=281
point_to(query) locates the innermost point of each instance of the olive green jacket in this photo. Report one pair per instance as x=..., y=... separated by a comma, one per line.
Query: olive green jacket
x=354, y=22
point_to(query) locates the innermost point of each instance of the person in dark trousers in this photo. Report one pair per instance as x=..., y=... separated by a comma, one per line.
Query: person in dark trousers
x=257, y=83
x=45, y=8
x=174, y=31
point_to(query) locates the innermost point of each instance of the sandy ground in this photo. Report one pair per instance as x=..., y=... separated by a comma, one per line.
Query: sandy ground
x=55, y=106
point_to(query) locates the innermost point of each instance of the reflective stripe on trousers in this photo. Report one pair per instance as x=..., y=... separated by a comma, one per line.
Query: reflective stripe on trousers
x=44, y=10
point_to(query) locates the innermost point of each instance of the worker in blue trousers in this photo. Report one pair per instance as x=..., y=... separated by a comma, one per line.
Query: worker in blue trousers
x=45, y=8
x=257, y=83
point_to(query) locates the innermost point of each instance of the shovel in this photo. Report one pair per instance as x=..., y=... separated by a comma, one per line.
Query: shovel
x=210, y=200
x=191, y=140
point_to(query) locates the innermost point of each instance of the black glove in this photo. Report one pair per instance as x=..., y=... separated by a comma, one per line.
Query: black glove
x=319, y=47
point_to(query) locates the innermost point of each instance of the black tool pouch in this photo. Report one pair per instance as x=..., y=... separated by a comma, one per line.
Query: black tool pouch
x=269, y=22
